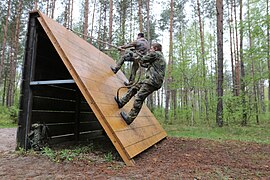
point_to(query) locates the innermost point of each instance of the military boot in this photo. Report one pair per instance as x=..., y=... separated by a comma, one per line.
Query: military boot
x=128, y=83
x=126, y=118
x=120, y=105
x=114, y=69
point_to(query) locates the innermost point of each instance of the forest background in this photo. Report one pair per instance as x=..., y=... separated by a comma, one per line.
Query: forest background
x=218, y=57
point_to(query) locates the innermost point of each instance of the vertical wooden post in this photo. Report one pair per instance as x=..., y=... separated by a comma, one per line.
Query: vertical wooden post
x=24, y=121
x=77, y=114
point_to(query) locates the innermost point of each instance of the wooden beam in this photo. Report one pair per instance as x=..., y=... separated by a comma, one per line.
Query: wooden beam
x=24, y=121
x=51, y=82
x=77, y=115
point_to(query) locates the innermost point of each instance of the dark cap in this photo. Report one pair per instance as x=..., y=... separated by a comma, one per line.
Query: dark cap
x=141, y=34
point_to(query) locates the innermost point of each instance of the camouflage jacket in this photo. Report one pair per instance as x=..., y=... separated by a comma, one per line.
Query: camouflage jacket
x=156, y=65
x=141, y=45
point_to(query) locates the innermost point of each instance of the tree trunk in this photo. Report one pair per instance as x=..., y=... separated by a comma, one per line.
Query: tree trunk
x=252, y=65
x=99, y=24
x=261, y=94
x=53, y=8
x=219, y=113
x=71, y=14
x=15, y=55
x=237, y=64
x=68, y=14
x=158, y=98
x=230, y=17
x=169, y=78
x=105, y=25
x=131, y=21
x=110, y=22
x=123, y=21
x=243, y=85
x=9, y=79
x=140, y=15
x=93, y=20
x=4, y=88
x=150, y=98
x=268, y=50
x=48, y=6
x=85, y=23
x=4, y=41
x=203, y=61
x=174, y=100
x=148, y=21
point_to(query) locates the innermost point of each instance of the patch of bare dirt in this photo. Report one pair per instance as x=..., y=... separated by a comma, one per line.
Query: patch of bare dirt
x=7, y=139
x=173, y=158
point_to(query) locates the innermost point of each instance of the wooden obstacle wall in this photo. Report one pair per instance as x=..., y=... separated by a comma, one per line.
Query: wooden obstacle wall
x=96, y=83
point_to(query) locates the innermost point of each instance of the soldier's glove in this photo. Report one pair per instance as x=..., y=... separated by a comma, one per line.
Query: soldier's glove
x=120, y=48
x=137, y=57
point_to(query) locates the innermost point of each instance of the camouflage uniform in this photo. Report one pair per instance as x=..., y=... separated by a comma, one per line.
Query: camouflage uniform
x=156, y=65
x=38, y=136
x=141, y=47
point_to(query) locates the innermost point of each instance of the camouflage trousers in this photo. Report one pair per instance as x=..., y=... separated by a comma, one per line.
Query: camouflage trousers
x=141, y=90
x=129, y=56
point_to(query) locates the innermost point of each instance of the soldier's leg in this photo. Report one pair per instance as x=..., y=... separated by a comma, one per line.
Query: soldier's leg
x=142, y=94
x=131, y=92
x=126, y=57
x=134, y=68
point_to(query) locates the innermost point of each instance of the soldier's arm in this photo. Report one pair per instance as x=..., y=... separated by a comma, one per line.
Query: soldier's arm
x=148, y=58
x=132, y=44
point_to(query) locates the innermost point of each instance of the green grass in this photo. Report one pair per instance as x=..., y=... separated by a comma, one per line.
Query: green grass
x=255, y=133
x=6, y=121
x=66, y=154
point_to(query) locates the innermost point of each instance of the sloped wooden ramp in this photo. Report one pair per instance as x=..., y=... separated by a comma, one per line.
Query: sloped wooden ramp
x=90, y=69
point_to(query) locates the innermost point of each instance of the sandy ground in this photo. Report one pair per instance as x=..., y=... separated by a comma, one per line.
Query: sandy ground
x=7, y=139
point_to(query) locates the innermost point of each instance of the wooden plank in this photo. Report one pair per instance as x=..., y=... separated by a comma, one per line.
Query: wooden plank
x=60, y=116
x=50, y=82
x=52, y=116
x=98, y=134
x=84, y=136
x=89, y=126
x=26, y=92
x=77, y=114
x=58, y=129
x=44, y=103
x=54, y=92
x=140, y=146
x=110, y=110
x=118, y=124
x=137, y=134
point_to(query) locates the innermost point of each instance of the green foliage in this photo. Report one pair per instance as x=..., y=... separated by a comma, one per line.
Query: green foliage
x=48, y=152
x=108, y=157
x=8, y=117
x=66, y=154
x=232, y=111
x=13, y=113
x=254, y=133
x=21, y=151
x=159, y=113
